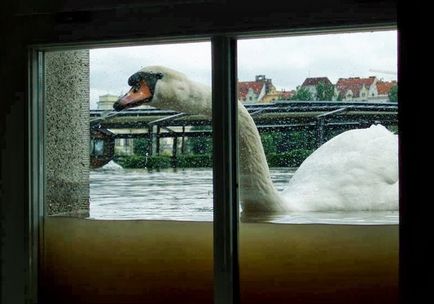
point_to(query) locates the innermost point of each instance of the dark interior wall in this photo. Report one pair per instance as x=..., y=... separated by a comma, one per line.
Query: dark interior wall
x=81, y=21
x=27, y=22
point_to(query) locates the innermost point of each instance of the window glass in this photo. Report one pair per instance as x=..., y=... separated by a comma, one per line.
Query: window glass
x=318, y=168
x=128, y=172
x=331, y=150
x=161, y=165
x=129, y=186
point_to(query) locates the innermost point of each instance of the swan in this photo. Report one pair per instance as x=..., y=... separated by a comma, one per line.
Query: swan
x=354, y=171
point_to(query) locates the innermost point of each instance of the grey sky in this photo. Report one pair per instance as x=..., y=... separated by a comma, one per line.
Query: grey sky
x=287, y=61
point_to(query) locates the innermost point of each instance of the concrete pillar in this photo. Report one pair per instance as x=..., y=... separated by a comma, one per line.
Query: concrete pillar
x=67, y=132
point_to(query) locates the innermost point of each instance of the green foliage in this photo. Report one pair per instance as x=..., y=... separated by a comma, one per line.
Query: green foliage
x=199, y=145
x=324, y=91
x=141, y=146
x=132, y=161
x=281, y=142
x=393, y=94
x=394, y=129
x=302, y=94
x=153, y=162
x=159, y=162
x=293, y=158
x=282, y=149
x=305, y=139
x=140, y=161
x=194, y=161
x=269, y=142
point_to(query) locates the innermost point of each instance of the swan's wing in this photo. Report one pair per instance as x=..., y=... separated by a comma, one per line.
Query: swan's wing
x=356, y=170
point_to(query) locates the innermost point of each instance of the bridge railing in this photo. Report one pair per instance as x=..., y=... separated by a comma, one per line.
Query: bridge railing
x=277, y=106
x=313, y=115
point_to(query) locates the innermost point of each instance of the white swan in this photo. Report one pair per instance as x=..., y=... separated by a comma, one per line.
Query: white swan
x=356, y=170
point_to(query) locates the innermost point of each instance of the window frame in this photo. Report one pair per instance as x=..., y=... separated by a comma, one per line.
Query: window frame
x=225, y=147
x=225, y=231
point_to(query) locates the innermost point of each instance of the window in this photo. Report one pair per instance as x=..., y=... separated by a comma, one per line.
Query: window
x=289, y=132
x=301, y=222
x=97, y=147
x=155, y=252
x=149, y=172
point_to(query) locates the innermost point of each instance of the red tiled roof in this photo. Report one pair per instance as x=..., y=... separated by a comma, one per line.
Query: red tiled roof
x=244, y=86
x=383, y=87
x=313, y=81
x=354, y=84
x=286, y=94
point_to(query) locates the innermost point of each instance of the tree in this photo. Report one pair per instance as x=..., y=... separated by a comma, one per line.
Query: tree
x=393, y=94
x=324, y=91
x=302, y=94
x=141, y=146
x=199, y=145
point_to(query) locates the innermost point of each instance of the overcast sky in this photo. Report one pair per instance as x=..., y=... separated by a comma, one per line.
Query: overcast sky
x=287, y=61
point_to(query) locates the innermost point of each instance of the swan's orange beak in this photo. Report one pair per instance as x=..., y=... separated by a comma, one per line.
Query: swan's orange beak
x=135, y=97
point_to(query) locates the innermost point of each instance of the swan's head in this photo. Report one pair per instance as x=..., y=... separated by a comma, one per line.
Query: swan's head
x=143, y=84
x=162, y=88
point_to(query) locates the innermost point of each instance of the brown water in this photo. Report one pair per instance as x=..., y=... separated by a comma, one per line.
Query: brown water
x=143, y=261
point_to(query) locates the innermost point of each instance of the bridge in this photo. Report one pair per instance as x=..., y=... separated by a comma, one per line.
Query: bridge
x=281, y=116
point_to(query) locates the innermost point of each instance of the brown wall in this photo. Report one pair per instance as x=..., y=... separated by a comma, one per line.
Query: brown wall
x=99, y=261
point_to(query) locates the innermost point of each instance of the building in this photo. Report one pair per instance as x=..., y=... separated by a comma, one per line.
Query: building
x=261, y=90
x=253, y=91
x=278, y=95
x=311, y=84
x=105, y=102
x=101, y=147
x=383, y=89
x=357, y=89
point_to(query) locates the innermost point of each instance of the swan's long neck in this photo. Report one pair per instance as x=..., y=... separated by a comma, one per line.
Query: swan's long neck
x=257, y=192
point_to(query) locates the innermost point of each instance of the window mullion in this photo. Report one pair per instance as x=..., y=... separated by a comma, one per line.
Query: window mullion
x=225, y=173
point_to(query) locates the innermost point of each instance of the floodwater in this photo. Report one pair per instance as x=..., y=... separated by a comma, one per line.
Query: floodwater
x=186, y=195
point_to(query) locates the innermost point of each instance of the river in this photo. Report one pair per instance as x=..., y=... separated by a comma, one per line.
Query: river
x=186, y=195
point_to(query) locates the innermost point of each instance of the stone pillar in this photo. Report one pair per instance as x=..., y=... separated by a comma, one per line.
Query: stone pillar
x=67, y=132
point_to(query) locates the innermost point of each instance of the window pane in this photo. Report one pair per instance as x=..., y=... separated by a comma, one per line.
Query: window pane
x=128, y=175
x=318, y=145
x=161, y=164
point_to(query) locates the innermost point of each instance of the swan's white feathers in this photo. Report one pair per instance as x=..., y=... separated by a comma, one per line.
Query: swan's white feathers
x=356, y=170
x=174, y=87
